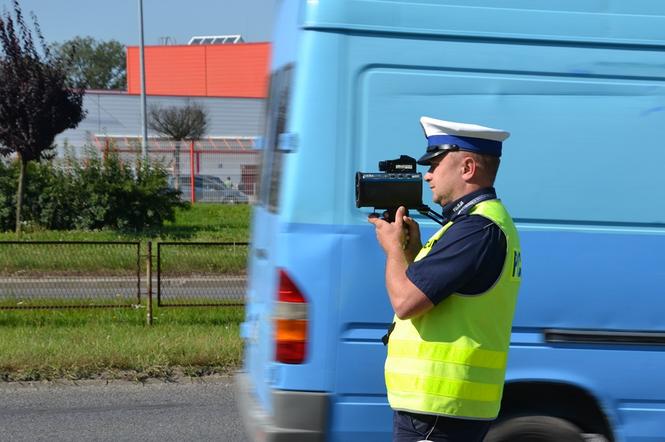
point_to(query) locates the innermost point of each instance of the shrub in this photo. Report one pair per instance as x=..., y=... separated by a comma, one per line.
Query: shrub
x=96, y=193
x=7, y=196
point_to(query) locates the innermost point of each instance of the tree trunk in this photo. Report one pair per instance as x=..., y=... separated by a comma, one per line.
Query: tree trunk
x=19, y=193
x=177, y=158
x=176, y=165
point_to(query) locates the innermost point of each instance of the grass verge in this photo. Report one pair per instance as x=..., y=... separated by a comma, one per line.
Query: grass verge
x=202, y=222
x=116, y=344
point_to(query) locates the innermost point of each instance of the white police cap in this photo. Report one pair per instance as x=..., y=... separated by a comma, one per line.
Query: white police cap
x=443, y=136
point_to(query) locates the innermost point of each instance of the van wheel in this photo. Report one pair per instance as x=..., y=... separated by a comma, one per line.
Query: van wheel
x=534, y=429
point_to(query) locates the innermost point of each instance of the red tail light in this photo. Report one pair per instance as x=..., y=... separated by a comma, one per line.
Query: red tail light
x=290, y=322
x=288, y=291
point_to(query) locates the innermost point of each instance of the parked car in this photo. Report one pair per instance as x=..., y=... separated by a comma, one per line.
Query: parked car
x=209, y=188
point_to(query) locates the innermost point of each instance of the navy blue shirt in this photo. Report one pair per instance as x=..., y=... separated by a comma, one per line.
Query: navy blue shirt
x=468, y=258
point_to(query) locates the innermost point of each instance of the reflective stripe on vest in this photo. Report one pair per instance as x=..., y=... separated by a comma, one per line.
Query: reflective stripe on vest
x=452, y=360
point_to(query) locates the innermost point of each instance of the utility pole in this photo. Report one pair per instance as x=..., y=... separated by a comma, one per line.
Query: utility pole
x=144, y=123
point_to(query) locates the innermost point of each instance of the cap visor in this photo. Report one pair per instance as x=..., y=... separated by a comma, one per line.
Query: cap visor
x=426, y=159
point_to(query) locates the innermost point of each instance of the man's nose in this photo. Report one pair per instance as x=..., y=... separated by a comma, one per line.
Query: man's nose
x=428, y=176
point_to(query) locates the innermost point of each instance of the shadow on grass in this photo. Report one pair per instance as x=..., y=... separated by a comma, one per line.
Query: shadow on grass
x=183, y=233
x=176, y=232
x=218, y=316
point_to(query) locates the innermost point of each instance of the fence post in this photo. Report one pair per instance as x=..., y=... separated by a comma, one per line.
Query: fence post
x=191, y=172
x=149, y=275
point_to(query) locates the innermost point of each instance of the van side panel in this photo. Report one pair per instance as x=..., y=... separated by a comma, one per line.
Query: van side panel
x=606, y=21
x=589, y=263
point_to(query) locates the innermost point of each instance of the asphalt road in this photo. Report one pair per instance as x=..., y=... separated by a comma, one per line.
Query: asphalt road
x=188, y=410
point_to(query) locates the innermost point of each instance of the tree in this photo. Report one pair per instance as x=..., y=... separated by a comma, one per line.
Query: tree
x=95, y=64
x=37, y=102
x=188, y=122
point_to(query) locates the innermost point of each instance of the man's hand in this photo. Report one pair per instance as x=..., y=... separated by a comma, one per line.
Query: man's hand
x=392, y=237
x=413, y=241
x=404, y=234
x=401, y=242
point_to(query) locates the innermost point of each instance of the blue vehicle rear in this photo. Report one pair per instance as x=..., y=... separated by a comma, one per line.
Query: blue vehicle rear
x=581, y=87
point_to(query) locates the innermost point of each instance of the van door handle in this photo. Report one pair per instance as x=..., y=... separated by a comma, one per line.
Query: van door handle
x=261, y=253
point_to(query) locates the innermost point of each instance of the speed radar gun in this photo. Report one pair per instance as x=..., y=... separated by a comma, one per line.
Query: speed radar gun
x=396, y=184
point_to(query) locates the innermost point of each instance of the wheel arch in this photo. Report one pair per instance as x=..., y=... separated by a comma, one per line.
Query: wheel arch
x=558, y=399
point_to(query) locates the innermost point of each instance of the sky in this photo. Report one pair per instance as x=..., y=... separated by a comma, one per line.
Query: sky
x=175, y=20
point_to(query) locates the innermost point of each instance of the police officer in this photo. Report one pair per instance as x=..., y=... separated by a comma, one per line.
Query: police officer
x=455, y=296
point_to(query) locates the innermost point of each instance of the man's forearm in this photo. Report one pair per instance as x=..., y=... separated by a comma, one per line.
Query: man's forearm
x=406, y=299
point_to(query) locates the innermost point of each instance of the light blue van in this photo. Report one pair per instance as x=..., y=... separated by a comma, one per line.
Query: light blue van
x=581, y=87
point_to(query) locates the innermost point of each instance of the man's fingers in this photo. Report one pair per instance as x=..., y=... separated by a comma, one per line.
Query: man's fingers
x=410, y=222
x=399, y=216
x=374, y=219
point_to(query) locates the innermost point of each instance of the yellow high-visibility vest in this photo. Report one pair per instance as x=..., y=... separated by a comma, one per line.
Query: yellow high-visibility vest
x=451, y=360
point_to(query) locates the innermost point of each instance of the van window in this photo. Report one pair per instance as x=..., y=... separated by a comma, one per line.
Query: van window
x=276, y=123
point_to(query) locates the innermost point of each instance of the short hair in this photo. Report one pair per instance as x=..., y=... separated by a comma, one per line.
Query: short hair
x=488, y=164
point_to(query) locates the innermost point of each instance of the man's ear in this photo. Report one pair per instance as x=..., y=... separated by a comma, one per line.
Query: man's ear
x=469, y=168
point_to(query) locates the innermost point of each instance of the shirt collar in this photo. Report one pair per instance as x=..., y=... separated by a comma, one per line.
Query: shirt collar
x=462, y=206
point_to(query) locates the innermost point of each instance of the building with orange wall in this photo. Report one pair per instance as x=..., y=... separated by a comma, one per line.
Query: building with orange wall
x=230, y=81
x=226, y=70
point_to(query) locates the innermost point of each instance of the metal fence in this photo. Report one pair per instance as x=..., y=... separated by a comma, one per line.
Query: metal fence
x=86, y=274
x=61, y=274
x=216, y=169
x=201, y=274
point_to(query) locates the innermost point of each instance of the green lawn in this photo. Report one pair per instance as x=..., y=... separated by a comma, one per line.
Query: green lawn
x=117, y=343
x=202, y=222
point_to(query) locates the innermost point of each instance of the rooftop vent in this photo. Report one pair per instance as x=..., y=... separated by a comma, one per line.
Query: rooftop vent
x=216, y=40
